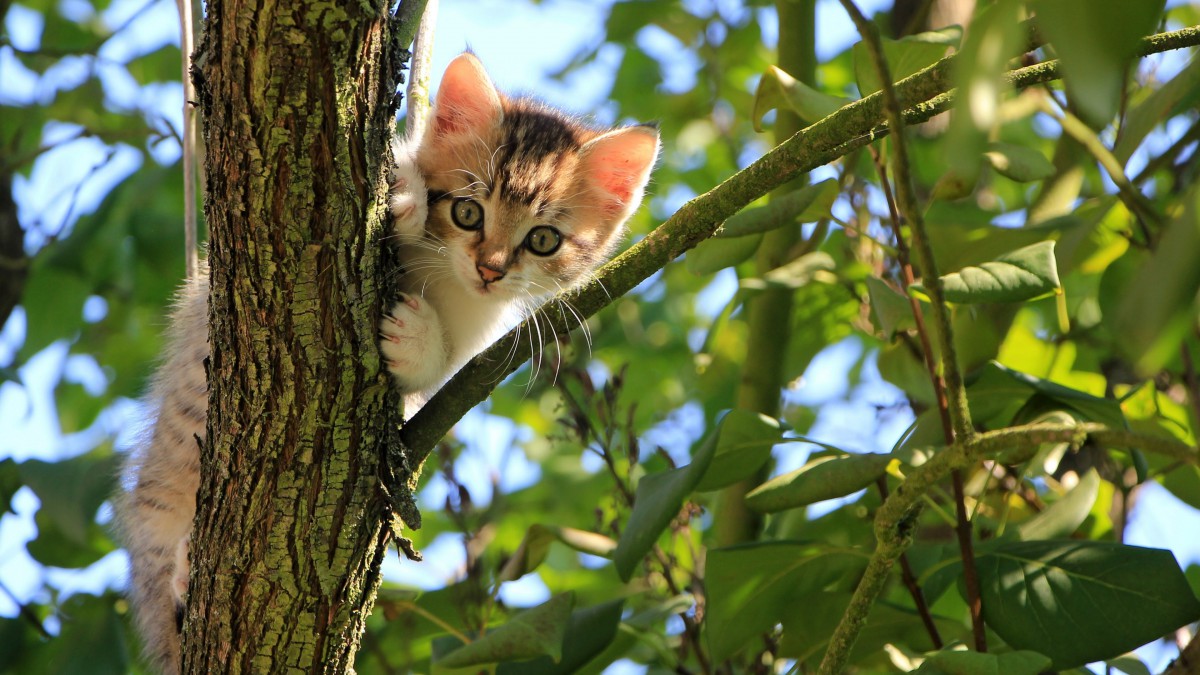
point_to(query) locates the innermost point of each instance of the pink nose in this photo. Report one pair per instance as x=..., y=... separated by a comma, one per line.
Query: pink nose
x=488, y=274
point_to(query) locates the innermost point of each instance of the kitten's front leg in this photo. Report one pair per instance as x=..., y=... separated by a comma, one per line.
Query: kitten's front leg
x=409, y=200
x=413, y=344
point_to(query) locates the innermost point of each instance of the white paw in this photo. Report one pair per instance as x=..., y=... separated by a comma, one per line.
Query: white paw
x=413, y=344
x=409, y=199
x=179, y=578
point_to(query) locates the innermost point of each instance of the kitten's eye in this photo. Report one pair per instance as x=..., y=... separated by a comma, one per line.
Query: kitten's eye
x=467, y=214
x=543, y=240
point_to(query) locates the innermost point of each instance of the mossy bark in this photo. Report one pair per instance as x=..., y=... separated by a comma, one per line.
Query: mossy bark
x=298, y=101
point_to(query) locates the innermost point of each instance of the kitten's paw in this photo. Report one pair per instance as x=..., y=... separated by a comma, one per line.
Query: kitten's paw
x=409, y=200
x=413, y=344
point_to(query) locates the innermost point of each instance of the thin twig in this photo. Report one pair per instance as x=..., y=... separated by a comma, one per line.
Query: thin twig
x=418, y=72
x=910, y=582
x=191, y=255
x=947, y=381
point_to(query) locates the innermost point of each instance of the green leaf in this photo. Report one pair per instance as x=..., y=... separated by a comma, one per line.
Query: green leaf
x=92, y=640
x=1160, y=104
x=657, y=501
x=1082, y=601
x=54, y=548
x=530, y=634
x=744, y=441
x=892, y=311
x=821, y=479
x=809, y=624
x=995, y=37
x=794, y=274
x=72, y=490
x=776, y=89
x=10, y=482
x=536, y=546
x=1018, y=162
x=904, y=56
x=1020, y=275
x=53, y=302
x=961, y=662
x=589, y=632
x=161, y=65
x=1096, y=40
x=805, y=205
x=1158, y=306
x=751, y=587
x=1065, y=515
x=714, y=255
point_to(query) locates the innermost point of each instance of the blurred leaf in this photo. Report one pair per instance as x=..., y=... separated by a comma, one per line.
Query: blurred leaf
x=55, y=548
x=1158, y=305
x=1018, y=162
x=794, y=274
x=961, y=662
x=744, y=440
x=92, y=640
x=811, y=619
x=1095, y=39
x=994, y=38
x=776, y=88
x=10, y=482
x=589, y=631
x=162, y=65
x=1060, y=598
x=53, y=302
x=821, y=479
x=536, y=546
x=805, y=205
x=658, y=500
x=1182, y=90
x=904, y=56
x=891, y=309
x=530, y=634
x=1020, y=275
x=713, y=255
x=72, y=490
x=751, y=587
x=1064, y=516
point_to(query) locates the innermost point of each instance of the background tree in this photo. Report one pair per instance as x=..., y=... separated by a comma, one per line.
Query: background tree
x=1059, y=219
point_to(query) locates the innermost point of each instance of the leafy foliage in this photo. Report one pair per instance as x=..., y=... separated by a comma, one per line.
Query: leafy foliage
x=1067, y=259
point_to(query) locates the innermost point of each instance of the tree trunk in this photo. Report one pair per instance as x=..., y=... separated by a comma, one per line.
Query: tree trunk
x=298, y=101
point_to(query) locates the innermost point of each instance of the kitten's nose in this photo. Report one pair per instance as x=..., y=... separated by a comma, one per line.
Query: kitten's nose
x=489, y=274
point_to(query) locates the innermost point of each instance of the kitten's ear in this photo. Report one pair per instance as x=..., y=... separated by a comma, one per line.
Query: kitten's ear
x=617, y=165
x=467, y=101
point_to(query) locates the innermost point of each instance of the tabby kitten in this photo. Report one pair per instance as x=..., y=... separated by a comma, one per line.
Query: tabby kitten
x=501, y=203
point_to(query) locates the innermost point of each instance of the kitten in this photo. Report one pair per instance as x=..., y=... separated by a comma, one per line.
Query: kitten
x=501, y=203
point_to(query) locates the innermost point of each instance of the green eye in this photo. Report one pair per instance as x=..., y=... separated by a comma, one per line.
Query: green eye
x=467, y=214
x=543, y=240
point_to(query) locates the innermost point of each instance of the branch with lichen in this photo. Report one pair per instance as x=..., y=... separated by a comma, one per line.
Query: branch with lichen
x=921, y=95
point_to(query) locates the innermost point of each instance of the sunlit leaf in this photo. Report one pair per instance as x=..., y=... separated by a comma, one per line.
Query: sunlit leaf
x=777, y=88
x=963, y=662
x=744, y=440
x=1082, y=601
x=713, y=255
x=1018, y=162
x=805, y=205
x=535, y=632
x=1023, y=274
x=821, y=479
x=1065, y=515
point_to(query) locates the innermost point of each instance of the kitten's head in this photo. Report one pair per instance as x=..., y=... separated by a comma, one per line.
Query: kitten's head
x=525, y=199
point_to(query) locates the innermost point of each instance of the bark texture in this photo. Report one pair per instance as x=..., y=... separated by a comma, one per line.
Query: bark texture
x=298, y=101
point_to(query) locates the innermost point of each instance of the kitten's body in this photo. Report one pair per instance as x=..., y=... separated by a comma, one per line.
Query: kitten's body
x=500, y=204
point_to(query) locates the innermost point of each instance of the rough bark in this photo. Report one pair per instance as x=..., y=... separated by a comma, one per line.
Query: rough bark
x=298, y=101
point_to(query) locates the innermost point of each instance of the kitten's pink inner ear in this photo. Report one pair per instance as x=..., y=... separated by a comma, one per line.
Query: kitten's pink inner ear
x=619, y=164
x=466, y=99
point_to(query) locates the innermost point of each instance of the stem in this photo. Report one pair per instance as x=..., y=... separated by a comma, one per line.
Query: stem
x=951, y=392
x=850, y=128
x=186, y=45
x=418, y=71
x=910, y=582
